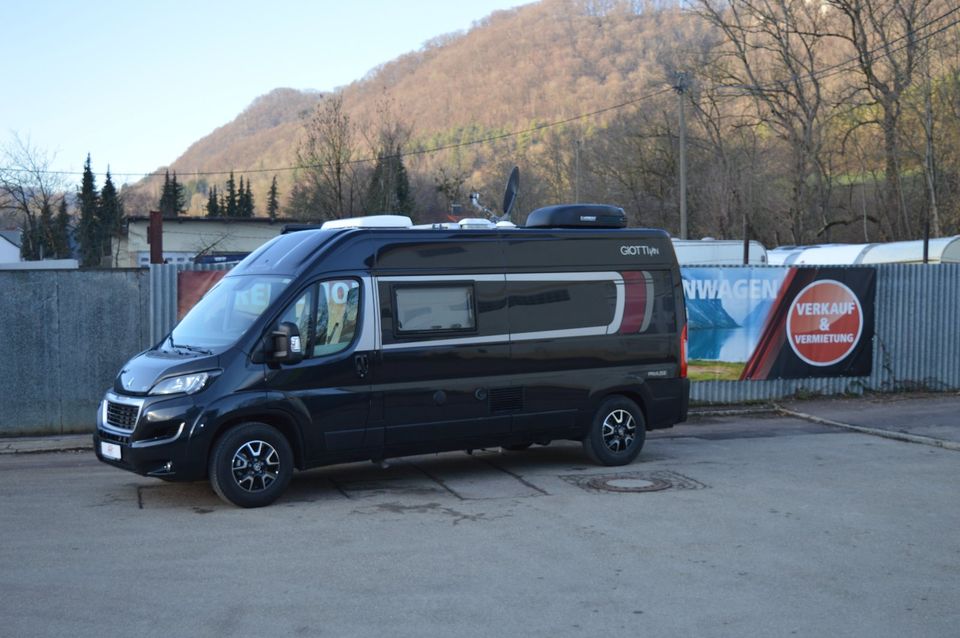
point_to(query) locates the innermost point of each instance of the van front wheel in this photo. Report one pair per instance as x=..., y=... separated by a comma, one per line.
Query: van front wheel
x=617, y=432
x=251, y=465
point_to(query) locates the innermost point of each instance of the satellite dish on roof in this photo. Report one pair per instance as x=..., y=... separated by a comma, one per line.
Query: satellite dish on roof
x=510, y=194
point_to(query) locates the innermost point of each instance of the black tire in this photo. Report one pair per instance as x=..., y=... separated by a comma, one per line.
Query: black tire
x=251, y=465
x=516, y=447
x=617, y=432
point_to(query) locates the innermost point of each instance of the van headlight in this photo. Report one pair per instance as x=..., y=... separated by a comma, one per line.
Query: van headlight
x=184, y=384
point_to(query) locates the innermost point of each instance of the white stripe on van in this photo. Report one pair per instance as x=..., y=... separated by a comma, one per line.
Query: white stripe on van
x=408, y=278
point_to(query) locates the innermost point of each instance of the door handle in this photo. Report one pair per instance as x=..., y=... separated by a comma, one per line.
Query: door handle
x=362, y=365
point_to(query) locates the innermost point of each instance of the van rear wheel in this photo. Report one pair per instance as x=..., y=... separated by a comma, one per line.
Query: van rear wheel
x=251, y=465
x=617, y=432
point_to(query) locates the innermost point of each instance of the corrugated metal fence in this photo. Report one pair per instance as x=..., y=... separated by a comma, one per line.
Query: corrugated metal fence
x=65, y=335
x=916, y=342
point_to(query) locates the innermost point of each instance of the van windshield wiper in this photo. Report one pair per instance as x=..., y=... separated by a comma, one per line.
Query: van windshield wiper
x=196, y=349
x=181, y=346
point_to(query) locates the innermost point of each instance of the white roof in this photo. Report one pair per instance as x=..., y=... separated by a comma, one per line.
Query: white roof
x=831, y=254
x=943, y=249
x=717, y=251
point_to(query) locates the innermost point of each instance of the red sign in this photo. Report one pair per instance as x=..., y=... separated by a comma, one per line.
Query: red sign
x=824, y=323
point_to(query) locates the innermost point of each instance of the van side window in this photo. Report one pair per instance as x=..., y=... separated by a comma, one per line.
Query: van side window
x=326, y=315
x=560, y=305
x=435, y=308
x=300, y=312
x=337, y=308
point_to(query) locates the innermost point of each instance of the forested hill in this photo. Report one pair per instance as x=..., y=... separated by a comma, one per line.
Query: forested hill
x=807, y=122
x=512, y=69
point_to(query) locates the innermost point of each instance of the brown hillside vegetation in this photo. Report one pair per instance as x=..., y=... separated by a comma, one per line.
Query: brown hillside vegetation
x=512, y=70
x=263, y=136
x=787, y=134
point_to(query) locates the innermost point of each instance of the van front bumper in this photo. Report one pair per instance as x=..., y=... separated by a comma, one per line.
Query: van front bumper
x=149, y=436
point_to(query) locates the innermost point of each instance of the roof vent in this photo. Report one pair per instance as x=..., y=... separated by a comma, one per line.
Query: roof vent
x=577, y=216
x=370, y=221
x=476, y=222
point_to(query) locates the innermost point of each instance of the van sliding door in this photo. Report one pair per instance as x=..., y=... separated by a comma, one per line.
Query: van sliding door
x=444, y=353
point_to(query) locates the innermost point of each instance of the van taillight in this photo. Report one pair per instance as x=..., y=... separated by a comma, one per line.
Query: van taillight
x=683, y=352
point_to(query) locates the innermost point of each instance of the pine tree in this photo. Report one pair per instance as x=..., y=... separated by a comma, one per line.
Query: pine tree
x=179, y=200
x=241, y=199
x=166, y=203
x=213, y=205
x=273, y=203
x=231, y=197
x=44, y=233
x=389, y=189
x=248, y=202
x=61, y=232
x=109, y=214
x=88, y=201
x=171, y=197
x=404, y=197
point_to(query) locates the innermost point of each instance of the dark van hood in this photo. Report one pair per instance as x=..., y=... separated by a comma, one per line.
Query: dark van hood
x=144, y=370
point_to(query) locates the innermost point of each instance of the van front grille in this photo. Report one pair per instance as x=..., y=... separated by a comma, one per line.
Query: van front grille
x=122, y=415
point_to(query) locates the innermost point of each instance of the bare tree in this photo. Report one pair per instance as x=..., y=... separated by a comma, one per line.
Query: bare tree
x=450, y=185
x=388, y=187
x=31, y=192
x=635, y=164
x=889, y=47
x=774, y=53
x=327, y=161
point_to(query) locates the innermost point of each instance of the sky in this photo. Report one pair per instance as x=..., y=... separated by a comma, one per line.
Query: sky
x=135, y=83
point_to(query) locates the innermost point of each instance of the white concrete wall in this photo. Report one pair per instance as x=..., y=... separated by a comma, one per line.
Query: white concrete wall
x=195, y=235
x=8, y=252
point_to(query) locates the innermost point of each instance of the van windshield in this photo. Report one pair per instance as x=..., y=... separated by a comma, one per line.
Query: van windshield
x=225, y=312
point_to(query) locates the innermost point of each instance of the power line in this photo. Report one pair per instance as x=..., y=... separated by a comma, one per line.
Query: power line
x=819, y=74
x=853, y=61
x=365, y=160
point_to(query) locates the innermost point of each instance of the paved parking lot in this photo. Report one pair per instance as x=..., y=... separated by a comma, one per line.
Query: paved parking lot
x=736, y=525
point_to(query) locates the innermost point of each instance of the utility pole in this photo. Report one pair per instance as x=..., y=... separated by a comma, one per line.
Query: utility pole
x=576, y=192
x=682, y=83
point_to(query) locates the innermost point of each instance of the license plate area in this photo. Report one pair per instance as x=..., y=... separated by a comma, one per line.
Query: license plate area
x=110, y=450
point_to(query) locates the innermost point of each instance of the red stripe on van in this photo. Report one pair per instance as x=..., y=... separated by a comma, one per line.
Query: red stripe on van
x=635, y=286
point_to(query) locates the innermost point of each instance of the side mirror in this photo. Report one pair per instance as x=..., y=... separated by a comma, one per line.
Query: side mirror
x=287, y=346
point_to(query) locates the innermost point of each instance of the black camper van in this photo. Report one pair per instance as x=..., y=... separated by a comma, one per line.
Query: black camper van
x=371, y=339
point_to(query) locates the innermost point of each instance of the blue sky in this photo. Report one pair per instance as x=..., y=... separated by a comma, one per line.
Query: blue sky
x=135, y=83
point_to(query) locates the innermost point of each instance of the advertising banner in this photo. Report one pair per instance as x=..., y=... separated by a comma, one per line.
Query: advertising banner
x=779, y=323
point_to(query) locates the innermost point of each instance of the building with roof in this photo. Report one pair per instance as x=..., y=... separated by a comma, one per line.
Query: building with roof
x=192, y=239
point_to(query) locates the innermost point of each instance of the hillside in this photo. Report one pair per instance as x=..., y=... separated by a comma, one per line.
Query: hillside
x=787, y=136
x=512, y=69
x=261, y=136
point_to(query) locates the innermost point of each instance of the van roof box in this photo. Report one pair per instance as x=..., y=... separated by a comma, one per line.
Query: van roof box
x=577, y=216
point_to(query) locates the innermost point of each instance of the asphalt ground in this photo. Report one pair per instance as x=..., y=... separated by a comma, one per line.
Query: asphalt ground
x=748, y=523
